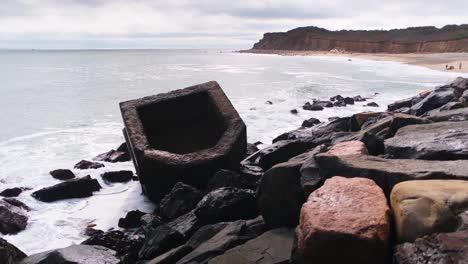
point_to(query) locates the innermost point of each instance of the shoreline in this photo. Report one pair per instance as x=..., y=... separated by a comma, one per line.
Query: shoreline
x=434, y=61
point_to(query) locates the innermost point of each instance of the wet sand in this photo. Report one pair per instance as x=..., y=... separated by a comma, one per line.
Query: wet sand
x=435, y=61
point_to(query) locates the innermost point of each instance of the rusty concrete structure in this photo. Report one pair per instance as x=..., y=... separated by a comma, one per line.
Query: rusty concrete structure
x=184, y=135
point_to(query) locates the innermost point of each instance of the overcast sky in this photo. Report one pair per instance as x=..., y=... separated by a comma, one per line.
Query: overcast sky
x=202, y=23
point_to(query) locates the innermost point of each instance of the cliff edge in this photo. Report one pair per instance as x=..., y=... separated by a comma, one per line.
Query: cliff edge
x=450, y=38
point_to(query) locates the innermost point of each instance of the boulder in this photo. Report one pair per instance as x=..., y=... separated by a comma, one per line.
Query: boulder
x=348, y=100
x=464, y=97
x=11, y=192
x=319, y=131
x=12, y=218
x=436, y=141
x=272, y=247
x=282, y=151
x=358, y=98
x=388, y=172
x=336, y=98
x=460, y=85
x=132, y=219
x=179, y=201
x=186, y=224
x=85, y=164
x=227, y=178
x=75, y=188
x=455, y=115
x=310, y=174
x=345, y=221
x=372, y=104
x=358, y=120
x=62, y=174
x=310, y=122
x=17, y=203
x=435, y=99
x=117, y=176
x=227, y=204
x=251, y=149
x=202, y=134
x=348, y=148
x=446, y=248
x=294, y=111
x=76, y=254
x=280, y=195
x=160, y=240
x=388, y=126
x=125, y=244
x=404, y=103
x=312, y=107
x=171, y=256
x=9, y=254
x=425, y=207
x=323, y=103
x=113, y=156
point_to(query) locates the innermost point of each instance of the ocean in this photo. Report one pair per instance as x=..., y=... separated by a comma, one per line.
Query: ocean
x=59, y=107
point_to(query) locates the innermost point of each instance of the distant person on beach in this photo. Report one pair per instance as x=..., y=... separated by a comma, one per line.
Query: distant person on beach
x=460, y=66
x=446, y=67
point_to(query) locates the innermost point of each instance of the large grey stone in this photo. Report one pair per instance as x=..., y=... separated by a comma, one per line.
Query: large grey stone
x=435, y=99
x=460, y=114
x=76, y=254
x=12, y=218
x=9, y=254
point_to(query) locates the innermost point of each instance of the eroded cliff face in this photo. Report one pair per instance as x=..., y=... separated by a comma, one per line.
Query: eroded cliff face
x=422, y=39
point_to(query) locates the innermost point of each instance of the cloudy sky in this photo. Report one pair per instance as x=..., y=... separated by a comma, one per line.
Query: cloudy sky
x=202, y=23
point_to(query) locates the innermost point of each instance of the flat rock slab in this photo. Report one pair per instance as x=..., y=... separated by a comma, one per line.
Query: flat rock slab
x=272, y=247
x=388, y=172
x=353, y=147
x=448, y=248
x=76, y=254
x=437, y=141
x=424, y=207
x=74, y=188
x=460, y=114
x=345, y=221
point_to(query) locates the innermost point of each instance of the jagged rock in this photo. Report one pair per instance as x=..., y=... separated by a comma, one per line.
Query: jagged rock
x=353, y=147
x=451, y=106
x=310, y=122
x=85, y=164
x=125, y=244
x=357, y=121
x=76, y=254
x=348, y=100
x=445, y=248
x=233, y=234
x=349, y=216
x=464, y=97
x=372, y=104
x=75, y=188
x=269, y=102
x=435, y=99
x=62, y=174
x=404, y=103
x=117, y=176
x=339, y=104
x=132, y=219
x=180, y=200
x=227, y=204
x=113, y=156
x=323, y=103
x=294, y=111
x=160, y=240
x=227, y=178
x=336, y=98
x=312, y=107
x=9, y=254
x=11, y=192
x=272, y=247
x=388, y=172
x=186, y=224
x=358, y=98
x=251, y=149
x=318, y=131
x=310, y=175
x=426, y=207
x=12, y=218
x=280, y=195
x=450, y=115
x=281, y=151
x=460, y=85
x=388, y=126
x=17, y=203
x=436, y=141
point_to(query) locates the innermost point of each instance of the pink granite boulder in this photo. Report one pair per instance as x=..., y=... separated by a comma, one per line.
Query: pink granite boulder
x=348, y=148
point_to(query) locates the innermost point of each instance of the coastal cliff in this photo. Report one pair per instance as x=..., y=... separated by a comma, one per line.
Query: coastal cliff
x=452, y=38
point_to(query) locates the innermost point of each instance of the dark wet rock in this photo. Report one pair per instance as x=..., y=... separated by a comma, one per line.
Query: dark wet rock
x=372, y=104
x=359, y=120
x=12, y=218
x=358, y=98
x=126, y=244
x=281, y=151
x=451, y=106
x=203, y=134
x=123, y=147
x=312, y=107
x=348, y=100
x=258, y=143
x=404, y=103
x=318, y=131
x=272, y=247
x=269, y=102
x=85, y=164
x=171, y=256
x=388, y=126
x=132, y=219
x=62, y=174
x=450, y=115
x=436, y=141
x=11, y=192
x=339, y=104
x=75, y=254
x=310, y=174
x=388, y=172
x=336, y=98
x=9, y=254
x=251, y=149
x=186, y=224
x=293, y=111
x=464, y=97
x=75, y=188
x=179, y=201
x=227, y=178
x=149, y=222
x=17, y=203
x=227, y=204
x=460, y=85
x=160, y=240
x=310, y=122
x=113, y=156
x=435, y=99
x=442, y=248
x=280, y=195
x=233, y=234
x=117, y=176
x=323, y=103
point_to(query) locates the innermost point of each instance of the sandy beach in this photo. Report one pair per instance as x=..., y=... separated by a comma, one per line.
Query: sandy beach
x=435, y=61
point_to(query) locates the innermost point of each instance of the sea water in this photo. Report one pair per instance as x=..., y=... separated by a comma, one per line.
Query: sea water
x=58, y=107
